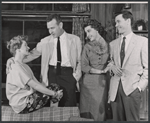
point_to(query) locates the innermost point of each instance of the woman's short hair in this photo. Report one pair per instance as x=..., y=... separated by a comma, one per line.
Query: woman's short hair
x=94, y=24
x=15, y=43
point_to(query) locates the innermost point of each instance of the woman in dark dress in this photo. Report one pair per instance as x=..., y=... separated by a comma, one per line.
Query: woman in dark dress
x=93, y=95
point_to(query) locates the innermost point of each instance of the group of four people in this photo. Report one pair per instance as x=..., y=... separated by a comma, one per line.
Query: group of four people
x=126, y=59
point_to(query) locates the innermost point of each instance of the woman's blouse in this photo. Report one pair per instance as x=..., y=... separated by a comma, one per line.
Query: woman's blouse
x=95, y=55
x=17, y=90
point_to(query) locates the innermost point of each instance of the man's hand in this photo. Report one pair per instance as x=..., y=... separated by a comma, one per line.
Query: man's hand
x=116, y=70
x=8, y=64
x=60, y=94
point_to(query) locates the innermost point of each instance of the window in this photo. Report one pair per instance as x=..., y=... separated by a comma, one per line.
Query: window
x=37, y=7
x=34, y=27
x=30, y=19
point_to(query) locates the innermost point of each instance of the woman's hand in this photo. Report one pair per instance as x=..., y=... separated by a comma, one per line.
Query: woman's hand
x=97, y=71
x=58, y=94
x=8, y=64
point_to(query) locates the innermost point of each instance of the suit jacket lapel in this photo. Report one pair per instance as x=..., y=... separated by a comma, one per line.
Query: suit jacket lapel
x=129, y=49
x=118, y=51
x=51, y=47
x=69, y=43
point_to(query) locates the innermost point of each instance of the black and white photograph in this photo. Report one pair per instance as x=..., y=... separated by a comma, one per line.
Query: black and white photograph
x=74, y=61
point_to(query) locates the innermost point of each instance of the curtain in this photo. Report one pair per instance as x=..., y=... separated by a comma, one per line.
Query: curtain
x=140, y=11
x=77, y=25
x=79, y=20
x=77, y=28
x=109, y=23
x=82, y=7
x=104, y=14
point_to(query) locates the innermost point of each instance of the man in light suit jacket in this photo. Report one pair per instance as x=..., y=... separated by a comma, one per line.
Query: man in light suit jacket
x=70, y=67
x=129, y=69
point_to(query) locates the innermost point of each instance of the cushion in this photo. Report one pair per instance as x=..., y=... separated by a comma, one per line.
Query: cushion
x=43, y=114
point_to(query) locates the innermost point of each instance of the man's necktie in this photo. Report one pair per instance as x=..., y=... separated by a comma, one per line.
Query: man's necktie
x=58, y=70
x=122, y=51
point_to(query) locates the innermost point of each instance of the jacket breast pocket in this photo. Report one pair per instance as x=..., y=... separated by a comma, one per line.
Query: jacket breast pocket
x=134, y=59
x=133, y=62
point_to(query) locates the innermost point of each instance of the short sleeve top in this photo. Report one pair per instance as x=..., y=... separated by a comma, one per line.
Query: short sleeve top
x=17, y=90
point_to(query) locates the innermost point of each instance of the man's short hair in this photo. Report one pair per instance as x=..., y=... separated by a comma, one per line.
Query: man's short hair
x=125, y=15
x=54, y=16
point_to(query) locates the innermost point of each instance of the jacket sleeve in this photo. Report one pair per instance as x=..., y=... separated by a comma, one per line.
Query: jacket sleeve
x=77, y=74
x=35, y=53
x=111, y=62
x=85, y=63
x=144, y=59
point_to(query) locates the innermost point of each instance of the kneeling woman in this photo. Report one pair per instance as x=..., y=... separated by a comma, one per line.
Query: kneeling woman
x=24, y=92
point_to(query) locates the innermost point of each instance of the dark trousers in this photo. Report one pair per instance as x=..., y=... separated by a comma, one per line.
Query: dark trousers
x=67, y=82
x=126, y=108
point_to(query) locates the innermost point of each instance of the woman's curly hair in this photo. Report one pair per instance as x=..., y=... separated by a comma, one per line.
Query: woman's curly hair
x=15, y=43
x=94, y=24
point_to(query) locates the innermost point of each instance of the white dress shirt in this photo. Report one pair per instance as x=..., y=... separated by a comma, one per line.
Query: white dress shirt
x=64, y=52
